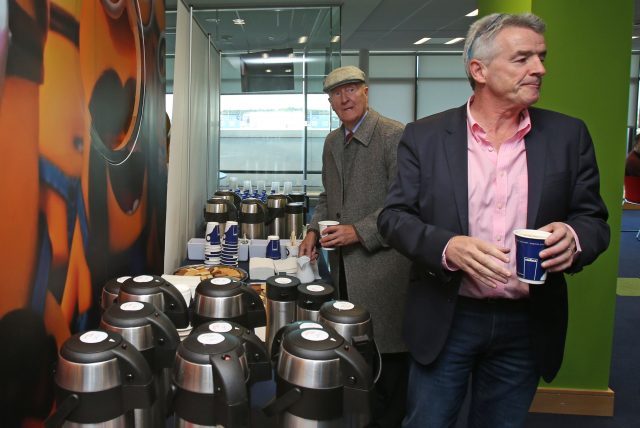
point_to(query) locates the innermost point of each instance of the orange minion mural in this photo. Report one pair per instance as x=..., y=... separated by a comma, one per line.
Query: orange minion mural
x=84, y=175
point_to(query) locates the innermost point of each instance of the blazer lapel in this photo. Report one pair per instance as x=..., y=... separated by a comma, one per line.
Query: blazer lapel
x=455, y=146
x=536, y=147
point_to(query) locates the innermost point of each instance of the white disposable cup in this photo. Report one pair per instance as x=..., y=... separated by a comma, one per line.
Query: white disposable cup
x=185, y=291
x=292, y=250
x=322, y=225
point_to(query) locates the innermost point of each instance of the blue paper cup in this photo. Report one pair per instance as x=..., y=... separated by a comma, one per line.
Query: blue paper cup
x=231, y=232
x=212, y=233
x=529, y=243
x=273, y=247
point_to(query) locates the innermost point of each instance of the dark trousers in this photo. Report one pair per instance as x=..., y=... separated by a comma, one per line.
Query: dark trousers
x=490, y=343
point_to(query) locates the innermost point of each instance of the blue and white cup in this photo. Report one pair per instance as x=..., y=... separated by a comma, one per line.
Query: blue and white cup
x=231, y=232
x=529, y=243
x=212, y=233
x=273, y=247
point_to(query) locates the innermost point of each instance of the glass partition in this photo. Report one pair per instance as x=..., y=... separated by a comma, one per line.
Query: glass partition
x=273, y=114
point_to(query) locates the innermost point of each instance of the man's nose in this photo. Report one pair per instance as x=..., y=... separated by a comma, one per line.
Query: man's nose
x=538, y=67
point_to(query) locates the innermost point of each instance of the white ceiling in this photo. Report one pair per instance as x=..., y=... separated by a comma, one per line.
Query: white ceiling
x=385, y=25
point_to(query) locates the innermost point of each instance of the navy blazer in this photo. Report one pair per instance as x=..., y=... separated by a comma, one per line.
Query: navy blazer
x=428, y=204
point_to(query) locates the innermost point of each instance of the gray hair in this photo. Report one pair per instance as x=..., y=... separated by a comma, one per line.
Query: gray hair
x=482, y=33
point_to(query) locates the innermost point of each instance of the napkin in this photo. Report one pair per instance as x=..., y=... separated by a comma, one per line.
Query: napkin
x=260, y=268
x=288, y=265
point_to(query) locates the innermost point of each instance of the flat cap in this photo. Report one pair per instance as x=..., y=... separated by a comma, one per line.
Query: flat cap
x=342, y=76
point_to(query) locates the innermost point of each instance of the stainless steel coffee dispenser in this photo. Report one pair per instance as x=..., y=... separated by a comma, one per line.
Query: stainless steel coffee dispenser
x=300, y=197
x=294, y=214
x=276, y=222
x=274, y=353
x=251, y=218
x=153, y=334
x=230, y=300
x=100, y=379
x=281, y=292
x=210, y=378
x=110, y=292
x=321, y=381
x=221, y=210
x=310, y=298
x=155, y=290
x=353, y=322
x=229, y=195
x=255, y=350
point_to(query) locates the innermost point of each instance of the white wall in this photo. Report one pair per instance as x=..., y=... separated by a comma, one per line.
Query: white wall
x=192, y=146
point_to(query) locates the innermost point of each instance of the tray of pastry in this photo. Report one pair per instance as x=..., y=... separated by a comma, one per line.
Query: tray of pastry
x=216, y=271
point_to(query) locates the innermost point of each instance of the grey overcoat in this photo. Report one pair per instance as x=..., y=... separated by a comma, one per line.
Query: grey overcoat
x=377, y=275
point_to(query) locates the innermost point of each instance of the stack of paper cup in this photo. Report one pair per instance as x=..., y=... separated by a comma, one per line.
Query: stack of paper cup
x=212, y=247
x=229, y=255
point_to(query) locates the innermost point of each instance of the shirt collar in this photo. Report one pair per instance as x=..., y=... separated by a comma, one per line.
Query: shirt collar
x=355, y=128
x=479, y=134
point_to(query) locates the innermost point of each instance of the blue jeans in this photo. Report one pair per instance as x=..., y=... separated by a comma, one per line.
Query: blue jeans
x=489, y=344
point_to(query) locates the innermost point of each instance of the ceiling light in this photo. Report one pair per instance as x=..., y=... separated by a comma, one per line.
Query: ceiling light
x=288, y=70
x=456, y=40
x=303, y=39
x=276, y=60
x=238, y=21
x=265, y=55
x=268, y=70
x=422, y=40
x=472, y=13
x=335, y=39
x=634, y=37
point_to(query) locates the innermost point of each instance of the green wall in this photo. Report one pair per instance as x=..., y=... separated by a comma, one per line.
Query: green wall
x=588, y=60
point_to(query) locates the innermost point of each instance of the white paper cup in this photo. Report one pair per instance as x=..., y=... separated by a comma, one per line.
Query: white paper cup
x=322, y=225
x=185, y=291
x=292, y=250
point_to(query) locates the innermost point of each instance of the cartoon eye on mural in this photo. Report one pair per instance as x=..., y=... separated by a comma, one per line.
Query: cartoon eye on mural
x=125, y=179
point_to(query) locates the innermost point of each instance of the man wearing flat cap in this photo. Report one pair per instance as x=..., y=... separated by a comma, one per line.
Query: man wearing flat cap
x=358, y=166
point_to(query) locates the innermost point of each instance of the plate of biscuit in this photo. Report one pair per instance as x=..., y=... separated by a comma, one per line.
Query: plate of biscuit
x=208, y=271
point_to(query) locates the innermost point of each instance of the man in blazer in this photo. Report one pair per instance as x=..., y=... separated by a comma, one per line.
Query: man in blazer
x=467, y=178
x=358, y=166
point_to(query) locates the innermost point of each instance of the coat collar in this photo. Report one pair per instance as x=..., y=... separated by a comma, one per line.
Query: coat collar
x=363, y=134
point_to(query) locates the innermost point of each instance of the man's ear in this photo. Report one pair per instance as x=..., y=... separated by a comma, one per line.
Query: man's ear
x=477, y=70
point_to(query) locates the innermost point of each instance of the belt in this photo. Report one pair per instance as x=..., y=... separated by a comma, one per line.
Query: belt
x=494, y=304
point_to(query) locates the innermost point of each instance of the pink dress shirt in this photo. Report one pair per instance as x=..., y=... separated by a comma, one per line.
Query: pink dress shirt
x=498, y=194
